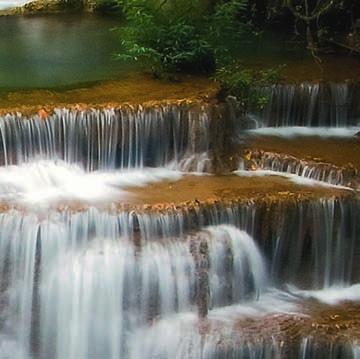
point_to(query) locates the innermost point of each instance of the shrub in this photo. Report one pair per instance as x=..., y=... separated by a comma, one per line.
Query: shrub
x=229, y=26
x=243, y=83
x=72, y=4
x=110, y=7
x=180, y=35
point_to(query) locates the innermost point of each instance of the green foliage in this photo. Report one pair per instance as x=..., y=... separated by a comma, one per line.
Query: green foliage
x=194, y=36
x=180, y=35
x=72, y=4
x=164, y=36
x=243, y=83
x=107, y=7
x=230, y=20
x=229, y=26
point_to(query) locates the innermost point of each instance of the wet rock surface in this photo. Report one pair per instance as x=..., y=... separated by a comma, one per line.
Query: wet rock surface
x=323, y=326
x=332, y=160
x=192, y=194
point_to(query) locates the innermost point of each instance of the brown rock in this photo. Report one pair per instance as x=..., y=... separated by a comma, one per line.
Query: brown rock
x=42, y=113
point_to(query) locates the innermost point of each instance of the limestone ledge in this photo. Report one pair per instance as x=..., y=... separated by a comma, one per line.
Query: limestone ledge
x=194, y=194
x=345, y=175
x=340, y=152
x=44, y=112
x=325, y=325
x=134, y=90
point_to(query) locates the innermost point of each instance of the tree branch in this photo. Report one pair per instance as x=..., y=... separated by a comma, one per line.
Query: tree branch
x=308, y=17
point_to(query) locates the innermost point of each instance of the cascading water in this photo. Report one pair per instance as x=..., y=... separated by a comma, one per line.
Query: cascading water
x=81, y=269
x=229, y=333
x=323, y=172
x=236, y=267
x=266, y=149
x=226, y=280
x=310, y=348
x=308, y=104
x=78, y=271
x=91, y=301
x=108, y=138
x=356, y=351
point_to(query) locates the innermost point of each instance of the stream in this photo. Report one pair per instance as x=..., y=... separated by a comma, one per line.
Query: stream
x=92, y=268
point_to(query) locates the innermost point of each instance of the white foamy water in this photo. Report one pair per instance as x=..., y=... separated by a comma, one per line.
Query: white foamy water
x=101, y=296
x=107, y=139
x=89, y=273
x=194, y=163
x=181, y=337
x=230, y=247
x=332, y=295
x=297, y=131
x=356, y=351
x=9, y=348
x=272, y=301
x=181, y=334
x=300, y=180
x=47, y=182
x=110, y=286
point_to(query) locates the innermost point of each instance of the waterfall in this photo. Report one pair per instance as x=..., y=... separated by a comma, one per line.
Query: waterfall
x=356, y=351
x=112, y=286
x=260, y=330
x=90, y=270
x=236, y=266
x=312, y=349
x=314, y=244
x=317, y=171
x=197, y=163
x=183, y=341
x=64, y=274
x=108, y=138
x=308, y=104
x=57, y=270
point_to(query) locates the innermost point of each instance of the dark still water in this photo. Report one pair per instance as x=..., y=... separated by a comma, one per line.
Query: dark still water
x=55, y=51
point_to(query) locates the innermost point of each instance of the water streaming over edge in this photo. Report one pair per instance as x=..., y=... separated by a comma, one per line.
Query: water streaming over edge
x=307, y=104
x=58, y=264
x=61, y=268
x=104, y=139
x=69, y=277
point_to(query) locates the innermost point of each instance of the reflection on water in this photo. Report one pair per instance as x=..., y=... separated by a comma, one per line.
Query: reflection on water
x=56, y=50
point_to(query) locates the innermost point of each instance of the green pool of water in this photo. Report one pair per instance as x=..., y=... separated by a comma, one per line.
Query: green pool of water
x=55, y=51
